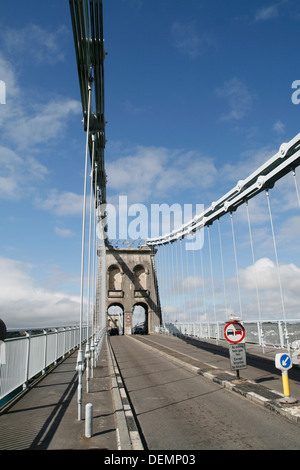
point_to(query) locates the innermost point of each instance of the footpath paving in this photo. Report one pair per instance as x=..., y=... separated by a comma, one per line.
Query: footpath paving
x=46, y=417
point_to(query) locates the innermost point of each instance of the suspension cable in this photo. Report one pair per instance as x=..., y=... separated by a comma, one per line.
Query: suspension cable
x=296, y=186
x=203, y=286
x=222, y=264
x=93, y=271
x=236, y=264
x=188, y=284
x=80, y=364
x=173, y=276
x=165, y=278
x=88, y=349
x=212, y=281
x=183, y=296
x=168, y=247
x=177, y=270
x=169, y=280
x=255, y=277
x=90, y=233
x=195, y=277
x=278, y=271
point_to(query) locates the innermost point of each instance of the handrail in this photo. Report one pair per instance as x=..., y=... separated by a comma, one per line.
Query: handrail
x=25, y=357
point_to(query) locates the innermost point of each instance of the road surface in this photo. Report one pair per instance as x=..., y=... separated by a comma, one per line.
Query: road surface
x=180, y=410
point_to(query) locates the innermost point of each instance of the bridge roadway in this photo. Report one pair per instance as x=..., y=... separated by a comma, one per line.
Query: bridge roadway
x=159, y=393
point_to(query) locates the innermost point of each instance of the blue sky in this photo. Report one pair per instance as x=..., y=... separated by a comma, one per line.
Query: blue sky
x=197, y=95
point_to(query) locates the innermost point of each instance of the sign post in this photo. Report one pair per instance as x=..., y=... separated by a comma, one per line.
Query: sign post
x=234, y=332
x=283, y=362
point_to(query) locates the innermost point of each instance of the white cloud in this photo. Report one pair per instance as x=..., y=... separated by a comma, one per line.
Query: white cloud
x=41, y=125
x=188, y=41
x=267, y=13
x=279, y=127
x=24, y=128
x=265, y=272
x=63, y=232
x=62, y=203
x=18, y=174
x=238, y=97
x=149, y=173
x=44, y=46
x=22, y=304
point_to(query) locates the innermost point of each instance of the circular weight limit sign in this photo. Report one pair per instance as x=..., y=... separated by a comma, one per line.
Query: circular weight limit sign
x=234, y=332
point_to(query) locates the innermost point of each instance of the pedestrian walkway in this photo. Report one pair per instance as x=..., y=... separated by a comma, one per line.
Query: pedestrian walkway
x=46, y=417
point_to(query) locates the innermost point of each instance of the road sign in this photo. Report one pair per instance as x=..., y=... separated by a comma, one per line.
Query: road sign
x=234, y=332
x=237, y=353
x=283, y=361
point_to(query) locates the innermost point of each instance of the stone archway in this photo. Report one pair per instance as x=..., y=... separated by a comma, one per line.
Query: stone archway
x=115, y=317
x=140, y=317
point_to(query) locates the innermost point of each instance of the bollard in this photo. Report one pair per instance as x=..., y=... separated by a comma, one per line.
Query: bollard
x=285, y=383
x=283, y=362
x=88, y=420
x=286, y=389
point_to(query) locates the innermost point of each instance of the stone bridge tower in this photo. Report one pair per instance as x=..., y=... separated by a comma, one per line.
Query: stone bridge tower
x=130, y=282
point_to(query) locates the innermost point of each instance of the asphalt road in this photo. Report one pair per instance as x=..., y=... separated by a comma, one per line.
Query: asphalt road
x=179, y=410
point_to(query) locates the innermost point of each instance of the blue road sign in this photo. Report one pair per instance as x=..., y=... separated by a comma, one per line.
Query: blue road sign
x=285, y=361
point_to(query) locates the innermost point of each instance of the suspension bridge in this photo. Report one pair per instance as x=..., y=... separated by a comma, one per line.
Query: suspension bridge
x=80, y=387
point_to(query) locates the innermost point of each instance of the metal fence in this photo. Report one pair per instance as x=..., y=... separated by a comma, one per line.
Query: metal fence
x=25, y=357
x=278, y=334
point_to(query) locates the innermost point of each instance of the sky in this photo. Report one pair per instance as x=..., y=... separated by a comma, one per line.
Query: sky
x=197, y=95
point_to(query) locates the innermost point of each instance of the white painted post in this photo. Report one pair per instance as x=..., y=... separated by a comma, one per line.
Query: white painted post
x=45, y=352
x=88, y=420
x=28, y=336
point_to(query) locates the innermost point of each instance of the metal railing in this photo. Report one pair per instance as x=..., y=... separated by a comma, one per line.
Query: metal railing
x=266, y=333
x=26, y=357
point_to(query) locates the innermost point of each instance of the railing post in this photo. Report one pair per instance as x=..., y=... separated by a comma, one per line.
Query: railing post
x=218, y=332
x=45, y=352
x=56, y=346
x=261, y=335
x=259, y=332
x=25, y=384
x=64, y=348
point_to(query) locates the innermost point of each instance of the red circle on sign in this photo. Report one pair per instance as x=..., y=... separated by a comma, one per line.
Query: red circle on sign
x=241, y=333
